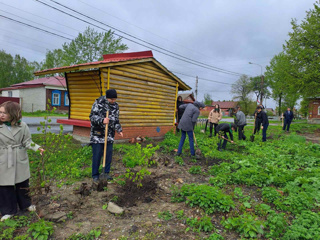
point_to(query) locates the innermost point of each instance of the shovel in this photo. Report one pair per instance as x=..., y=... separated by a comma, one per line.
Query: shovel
x=103, y=175
x=254, y=126
x=198, y=151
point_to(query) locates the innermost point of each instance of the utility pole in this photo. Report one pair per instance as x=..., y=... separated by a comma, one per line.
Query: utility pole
x=262, y=83
x=196, y=87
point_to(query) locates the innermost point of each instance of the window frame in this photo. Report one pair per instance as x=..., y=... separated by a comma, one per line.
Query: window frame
x=66, y=96
x=52, y=97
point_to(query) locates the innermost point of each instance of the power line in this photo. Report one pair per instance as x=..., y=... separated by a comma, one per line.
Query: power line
x=180, y=56
x=40, y=29
x=209, y=80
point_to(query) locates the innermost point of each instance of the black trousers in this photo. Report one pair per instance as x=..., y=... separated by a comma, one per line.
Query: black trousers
x=215, y=128
x=12, y=196
x=241, y=132
x=257, y=127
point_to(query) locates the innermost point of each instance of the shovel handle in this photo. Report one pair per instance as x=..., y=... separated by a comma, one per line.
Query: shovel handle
x=194, y=137
x=227, y=139
x=105, y=143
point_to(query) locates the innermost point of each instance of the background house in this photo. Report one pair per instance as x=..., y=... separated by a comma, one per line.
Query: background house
x=187, y=97
x=225, y=106
x=147, y=92
x=34, y=94
x=314, y=110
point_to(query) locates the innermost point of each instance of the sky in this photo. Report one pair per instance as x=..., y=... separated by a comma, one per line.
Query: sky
x=211, y=36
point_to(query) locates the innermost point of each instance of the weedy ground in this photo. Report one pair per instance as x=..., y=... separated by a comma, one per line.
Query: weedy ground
x=253, y=190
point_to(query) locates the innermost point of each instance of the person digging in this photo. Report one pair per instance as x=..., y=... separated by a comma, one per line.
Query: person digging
x=99, y=121
x=222, y=130
x=187, y=124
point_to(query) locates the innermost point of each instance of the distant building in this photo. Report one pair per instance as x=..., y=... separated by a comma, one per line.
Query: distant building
x=271, y=110
x=187, y=97
x=34, y=94
x=314, y=110
x=225, y=106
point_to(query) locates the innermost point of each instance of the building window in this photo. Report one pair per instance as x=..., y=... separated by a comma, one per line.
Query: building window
x=319, y=110
x=9, y=93
x=66, y=99
x=56, y=98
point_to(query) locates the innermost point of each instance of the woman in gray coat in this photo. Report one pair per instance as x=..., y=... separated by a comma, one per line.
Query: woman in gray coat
x=187, y=123
x=15, y=139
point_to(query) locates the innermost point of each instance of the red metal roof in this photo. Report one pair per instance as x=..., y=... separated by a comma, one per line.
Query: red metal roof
x=46, y=81
x=117, y=57
x=225, y=105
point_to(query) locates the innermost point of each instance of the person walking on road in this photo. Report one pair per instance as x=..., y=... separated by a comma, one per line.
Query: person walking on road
x=241, y=122
x=222, y=130
x=214, y=117
x=15, y=139
x=288, y=117
x=264, y=122
x=187, y=124
x=98, y=119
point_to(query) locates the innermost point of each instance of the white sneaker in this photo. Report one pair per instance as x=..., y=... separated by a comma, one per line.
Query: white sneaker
x=5, y=217
x=32, y=208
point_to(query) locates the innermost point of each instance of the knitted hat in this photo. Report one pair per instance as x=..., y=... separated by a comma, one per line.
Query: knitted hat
x=111, y=93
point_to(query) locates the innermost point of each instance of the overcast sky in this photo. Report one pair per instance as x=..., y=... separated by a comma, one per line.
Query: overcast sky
x=226, y=34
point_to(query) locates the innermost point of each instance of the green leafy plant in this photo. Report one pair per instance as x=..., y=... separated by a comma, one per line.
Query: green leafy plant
x=203, y=224
x=93, y=234
x=195, y=170
x=166, y=215
x=41, y=230
x=247, y=225
x=210, y=199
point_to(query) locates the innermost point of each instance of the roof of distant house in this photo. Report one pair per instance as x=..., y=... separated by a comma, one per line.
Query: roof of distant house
x=187, y=95
x=225, y=104
x=46, y=81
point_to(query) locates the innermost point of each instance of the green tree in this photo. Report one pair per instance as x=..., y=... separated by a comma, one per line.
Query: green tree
x=207, y=99
x=255, y=85
x=281, y=75
x=14, y=69
x=303, y=51
x=89, y=46
x=241, y=91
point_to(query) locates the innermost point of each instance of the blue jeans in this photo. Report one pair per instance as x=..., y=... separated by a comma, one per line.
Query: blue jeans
x=183, y=138
x=264, y=132
x=97, y=154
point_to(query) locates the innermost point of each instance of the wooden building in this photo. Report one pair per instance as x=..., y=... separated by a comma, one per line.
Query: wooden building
x=147, y=92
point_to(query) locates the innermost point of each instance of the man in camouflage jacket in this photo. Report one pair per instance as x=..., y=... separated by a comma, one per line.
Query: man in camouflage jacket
x=97, y=134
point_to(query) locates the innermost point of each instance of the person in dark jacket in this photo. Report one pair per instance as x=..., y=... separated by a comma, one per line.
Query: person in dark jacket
x=187, y=123
x=222, y=130
x=179, y=111
x=264, y=122
x=288, y=117
x=241, y=122
x=258, y=120
x=98, y=119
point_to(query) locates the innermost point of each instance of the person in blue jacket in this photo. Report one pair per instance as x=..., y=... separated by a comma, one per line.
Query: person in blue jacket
x=288, y=116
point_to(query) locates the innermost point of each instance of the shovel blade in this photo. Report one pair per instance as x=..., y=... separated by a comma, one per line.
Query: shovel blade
x=252, y=138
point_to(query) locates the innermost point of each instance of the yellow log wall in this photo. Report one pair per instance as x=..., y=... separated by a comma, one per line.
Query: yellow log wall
x=146, y=94
x=84, y=88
